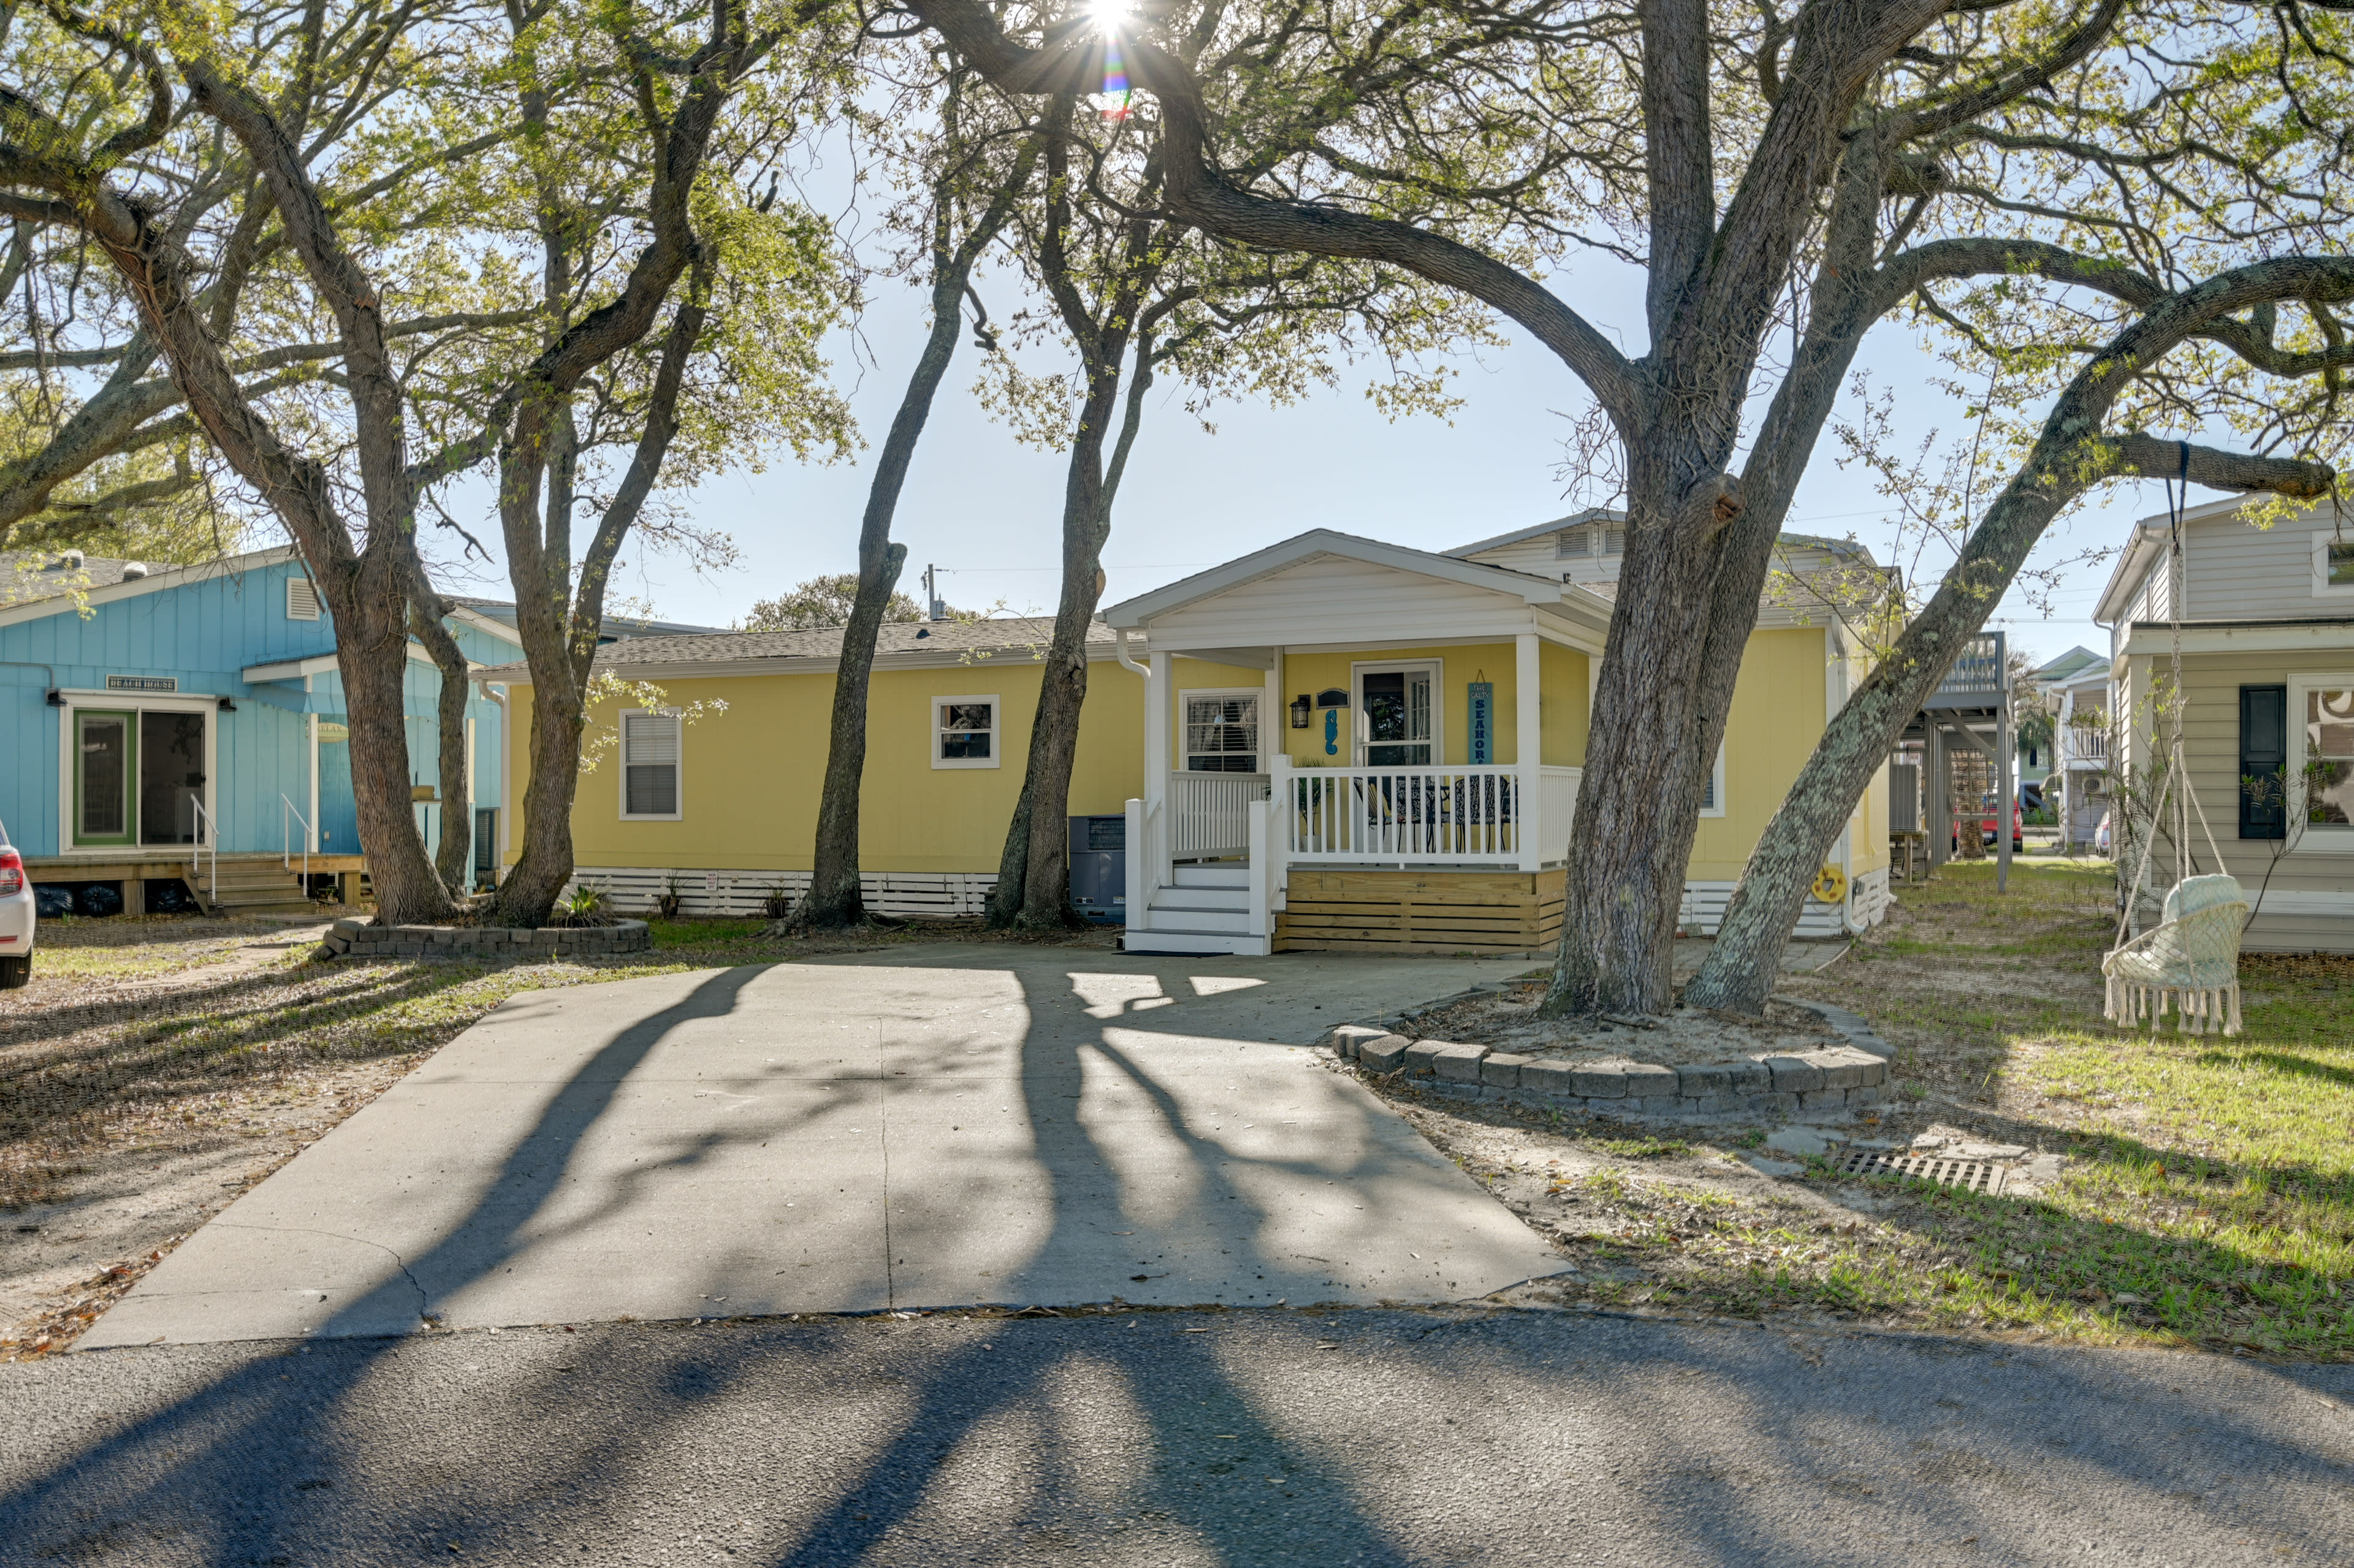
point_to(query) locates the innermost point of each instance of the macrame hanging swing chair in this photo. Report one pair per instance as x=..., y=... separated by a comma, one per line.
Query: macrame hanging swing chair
x=2192, y=959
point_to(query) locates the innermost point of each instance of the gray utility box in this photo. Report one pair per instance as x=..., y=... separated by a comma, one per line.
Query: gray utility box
x=1099, y=869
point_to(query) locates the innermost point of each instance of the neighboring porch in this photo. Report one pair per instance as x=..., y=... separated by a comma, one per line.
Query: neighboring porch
x=1412, y=792
x=271, y=883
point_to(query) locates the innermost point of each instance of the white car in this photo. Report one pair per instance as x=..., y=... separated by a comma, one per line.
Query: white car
x=16, y=917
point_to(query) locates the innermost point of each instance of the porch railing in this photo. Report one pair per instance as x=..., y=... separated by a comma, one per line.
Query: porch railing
x=1465, y=814
x=2085, y=744
x=206, y=846
x=1209, y=813
x=287, y=818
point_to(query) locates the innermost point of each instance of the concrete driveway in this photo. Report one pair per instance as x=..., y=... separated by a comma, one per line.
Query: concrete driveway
x=942, y=1126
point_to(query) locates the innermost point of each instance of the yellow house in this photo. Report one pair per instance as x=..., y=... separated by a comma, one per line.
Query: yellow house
x=1330, y=743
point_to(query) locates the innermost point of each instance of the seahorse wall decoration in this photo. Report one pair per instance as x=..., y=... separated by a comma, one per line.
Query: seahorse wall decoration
x=1331, y=732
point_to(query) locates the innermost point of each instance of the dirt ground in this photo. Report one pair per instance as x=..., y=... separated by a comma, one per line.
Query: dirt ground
x=1508, y=1021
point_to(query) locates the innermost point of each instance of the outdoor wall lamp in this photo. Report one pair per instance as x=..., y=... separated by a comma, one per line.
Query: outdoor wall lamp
x=1300, y=708
x=227, y=705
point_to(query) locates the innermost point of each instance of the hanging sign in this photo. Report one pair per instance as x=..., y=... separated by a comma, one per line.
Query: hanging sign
x=1483, y=721
x=143, y=682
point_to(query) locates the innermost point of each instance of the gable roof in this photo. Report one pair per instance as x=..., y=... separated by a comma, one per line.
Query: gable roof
x=1525, y=586
x=2147, y=541
x=2072, y=665
x=907, y=644
x=497, y=616
x=32, y=582
x=1591, y=514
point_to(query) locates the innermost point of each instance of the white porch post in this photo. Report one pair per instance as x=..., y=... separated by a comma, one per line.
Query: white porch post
x=1528, y=751
x=1158, y=701
x=1271, y=712
x=1139, y=912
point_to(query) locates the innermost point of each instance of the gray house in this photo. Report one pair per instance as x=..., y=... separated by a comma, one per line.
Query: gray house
x=2267, y=640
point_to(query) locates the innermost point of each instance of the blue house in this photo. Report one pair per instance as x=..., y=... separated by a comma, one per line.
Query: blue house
x=186, y=724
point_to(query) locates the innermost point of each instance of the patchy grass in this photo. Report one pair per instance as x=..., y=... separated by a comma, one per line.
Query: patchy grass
x=2207, y=1198
x=151, y=1072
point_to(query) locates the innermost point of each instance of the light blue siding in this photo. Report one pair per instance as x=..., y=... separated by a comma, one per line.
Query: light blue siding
x=205, y=633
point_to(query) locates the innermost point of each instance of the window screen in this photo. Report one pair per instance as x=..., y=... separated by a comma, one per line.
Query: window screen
x=302, y=600
x=649, y=765
x=1222, y=734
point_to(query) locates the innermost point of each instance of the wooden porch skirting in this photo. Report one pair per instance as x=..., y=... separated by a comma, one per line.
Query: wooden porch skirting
x=1501, y=912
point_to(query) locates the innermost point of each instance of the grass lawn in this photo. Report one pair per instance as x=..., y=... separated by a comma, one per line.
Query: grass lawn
x=2209, y=1194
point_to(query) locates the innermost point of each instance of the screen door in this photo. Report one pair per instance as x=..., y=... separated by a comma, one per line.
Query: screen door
x=1395, y=718
x=104, y=747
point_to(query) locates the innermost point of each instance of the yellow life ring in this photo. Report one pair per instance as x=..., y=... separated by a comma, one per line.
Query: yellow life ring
x=1830, y=884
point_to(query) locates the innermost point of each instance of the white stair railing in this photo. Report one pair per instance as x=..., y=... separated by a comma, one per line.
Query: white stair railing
x=286, y=820
x=205, y=847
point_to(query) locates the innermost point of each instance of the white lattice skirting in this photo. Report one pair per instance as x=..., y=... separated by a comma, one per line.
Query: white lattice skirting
x=938, y=896
x=1867, y=903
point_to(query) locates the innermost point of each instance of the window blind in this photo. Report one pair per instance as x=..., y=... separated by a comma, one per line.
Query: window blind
x=649, y=744
x=1221, y=735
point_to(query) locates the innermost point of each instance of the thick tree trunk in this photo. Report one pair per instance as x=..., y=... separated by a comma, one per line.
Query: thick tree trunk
x=1034, y=881
x=371, y=610
x=528, y=891
x=1639, y=800
x=453, y=857
x=833, y=895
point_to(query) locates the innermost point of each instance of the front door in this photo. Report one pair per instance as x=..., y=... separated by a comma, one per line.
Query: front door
x=1397, y=719
x=171, y=777
x=105, y=763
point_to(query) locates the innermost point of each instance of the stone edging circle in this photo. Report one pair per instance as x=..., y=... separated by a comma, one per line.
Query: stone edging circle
x=362, y=939
x=1817, y=1084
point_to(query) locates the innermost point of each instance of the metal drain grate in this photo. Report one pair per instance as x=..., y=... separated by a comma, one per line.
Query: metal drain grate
x=1970, y=1175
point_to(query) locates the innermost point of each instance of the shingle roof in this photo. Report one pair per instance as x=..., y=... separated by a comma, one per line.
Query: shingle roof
x=923, y=640
x=29, y=575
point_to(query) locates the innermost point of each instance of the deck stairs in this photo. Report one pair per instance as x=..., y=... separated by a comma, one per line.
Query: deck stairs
x=1206, y=909
x=259, y=886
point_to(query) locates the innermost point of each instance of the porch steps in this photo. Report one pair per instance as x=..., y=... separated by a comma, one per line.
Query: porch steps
x=250, y=887
x=1203, y=909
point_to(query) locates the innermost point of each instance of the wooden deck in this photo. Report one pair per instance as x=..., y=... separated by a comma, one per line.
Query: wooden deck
x=260, y=883
x=1489, y=912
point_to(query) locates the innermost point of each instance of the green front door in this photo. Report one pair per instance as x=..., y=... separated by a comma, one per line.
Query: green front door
x=105, y=766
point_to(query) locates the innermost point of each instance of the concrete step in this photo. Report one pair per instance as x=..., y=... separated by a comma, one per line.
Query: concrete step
x=1218, y=874
x=1197, y=942
x=1230, y=920
x=1181, y=898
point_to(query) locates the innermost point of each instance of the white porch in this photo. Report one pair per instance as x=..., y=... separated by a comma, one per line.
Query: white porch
x=1416, y=751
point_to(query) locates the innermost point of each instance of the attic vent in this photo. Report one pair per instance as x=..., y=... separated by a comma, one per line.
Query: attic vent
x=133, y=570
x=1614, y=540
x=1578, y=541
x=302, y=600
x=71, y=560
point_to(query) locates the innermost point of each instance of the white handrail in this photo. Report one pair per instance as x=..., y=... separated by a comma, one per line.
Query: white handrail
x=285, y=840
x=206, y=832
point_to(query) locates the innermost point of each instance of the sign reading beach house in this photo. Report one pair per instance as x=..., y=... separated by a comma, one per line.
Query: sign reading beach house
x=143, y=682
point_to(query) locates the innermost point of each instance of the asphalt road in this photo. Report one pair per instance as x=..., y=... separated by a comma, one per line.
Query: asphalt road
x=1353, y=1436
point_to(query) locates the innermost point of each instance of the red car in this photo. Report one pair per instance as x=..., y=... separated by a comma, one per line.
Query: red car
x=1985, y=827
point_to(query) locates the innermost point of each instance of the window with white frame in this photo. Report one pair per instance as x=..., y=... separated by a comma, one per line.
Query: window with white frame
x=1712, y=794
x=2333, y=564
x=301, y=598
x=965, y=732
x=649, y=765
x=1221, y=731
x=2321, y=757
